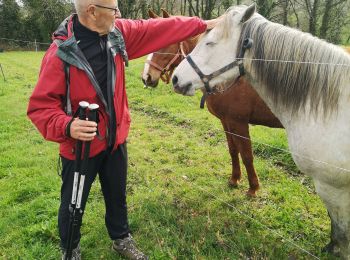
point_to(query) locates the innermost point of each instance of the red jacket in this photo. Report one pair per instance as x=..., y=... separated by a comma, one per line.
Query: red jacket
x=45, y=107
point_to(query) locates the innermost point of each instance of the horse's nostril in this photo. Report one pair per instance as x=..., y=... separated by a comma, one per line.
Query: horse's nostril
x=175, y=80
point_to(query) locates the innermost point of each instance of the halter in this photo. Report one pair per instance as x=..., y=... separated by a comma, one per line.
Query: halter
x=168, y=70
x=247, y=44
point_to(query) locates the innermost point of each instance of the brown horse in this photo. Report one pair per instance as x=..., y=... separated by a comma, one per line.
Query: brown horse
x=238, y=107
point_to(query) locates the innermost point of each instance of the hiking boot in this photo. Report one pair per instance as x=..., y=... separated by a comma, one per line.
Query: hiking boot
x=127, y=248
x=76, y=255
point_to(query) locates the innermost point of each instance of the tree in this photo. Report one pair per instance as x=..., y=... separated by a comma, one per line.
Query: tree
x=45, y=15
x=10, y=19
x=266, y=7
x=285, y=8
x=37, y=19
x=334, y=18
x=312, y=8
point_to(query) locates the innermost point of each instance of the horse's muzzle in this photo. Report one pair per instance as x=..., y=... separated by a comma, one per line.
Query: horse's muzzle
x=184, y=90
x=149, y=83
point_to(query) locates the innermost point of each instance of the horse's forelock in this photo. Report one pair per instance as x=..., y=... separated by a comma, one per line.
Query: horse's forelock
x=224, y=27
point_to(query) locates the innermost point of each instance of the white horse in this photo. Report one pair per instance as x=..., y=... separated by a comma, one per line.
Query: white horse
x=306, y=83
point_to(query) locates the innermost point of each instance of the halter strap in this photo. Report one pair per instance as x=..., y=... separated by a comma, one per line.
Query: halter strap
x=182, y=49
x=247, y=44
x=206, y=78
x=167, y=71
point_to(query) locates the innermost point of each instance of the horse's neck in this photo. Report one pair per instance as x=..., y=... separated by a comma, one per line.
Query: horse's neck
x=291, y=118
x=282, y=114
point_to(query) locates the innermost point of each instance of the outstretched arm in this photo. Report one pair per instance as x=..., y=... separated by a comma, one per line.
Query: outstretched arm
x=146, y=36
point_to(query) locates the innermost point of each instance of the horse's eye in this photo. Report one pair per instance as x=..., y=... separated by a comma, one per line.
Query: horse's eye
x=210, y=43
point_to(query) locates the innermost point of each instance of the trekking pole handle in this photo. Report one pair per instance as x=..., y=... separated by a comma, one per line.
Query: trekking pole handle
x=93, y=108
x=83, y=105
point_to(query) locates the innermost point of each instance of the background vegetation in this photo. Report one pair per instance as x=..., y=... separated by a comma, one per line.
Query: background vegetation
x=30, y=23
x=180, y=206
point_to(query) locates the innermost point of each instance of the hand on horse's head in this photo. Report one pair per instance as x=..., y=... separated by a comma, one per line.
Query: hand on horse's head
x=212, y=23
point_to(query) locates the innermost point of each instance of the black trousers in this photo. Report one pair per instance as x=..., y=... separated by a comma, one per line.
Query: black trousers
x=112, y=170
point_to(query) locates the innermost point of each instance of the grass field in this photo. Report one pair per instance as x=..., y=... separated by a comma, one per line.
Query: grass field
x=180, y=206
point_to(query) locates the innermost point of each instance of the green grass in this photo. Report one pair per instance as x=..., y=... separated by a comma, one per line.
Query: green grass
x=180, y=206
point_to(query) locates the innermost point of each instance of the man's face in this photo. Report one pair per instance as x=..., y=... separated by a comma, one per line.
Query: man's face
x=106, y=12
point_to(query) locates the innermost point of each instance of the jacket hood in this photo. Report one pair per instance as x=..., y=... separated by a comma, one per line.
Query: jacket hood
x=64, y=30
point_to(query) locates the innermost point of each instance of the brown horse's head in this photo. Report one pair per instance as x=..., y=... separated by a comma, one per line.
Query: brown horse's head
x=160, y=65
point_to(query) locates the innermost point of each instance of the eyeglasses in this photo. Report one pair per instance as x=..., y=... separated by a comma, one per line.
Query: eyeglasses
x=116, y=10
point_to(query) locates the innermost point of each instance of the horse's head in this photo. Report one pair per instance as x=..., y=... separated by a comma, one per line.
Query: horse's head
x=219, y=48
x=161, y=64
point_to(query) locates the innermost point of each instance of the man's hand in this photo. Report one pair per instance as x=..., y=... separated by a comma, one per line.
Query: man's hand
x=213, y=22
x=83, y=130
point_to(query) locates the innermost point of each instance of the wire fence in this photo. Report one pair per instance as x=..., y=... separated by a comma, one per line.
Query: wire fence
x=7, y=44
x=15, y=44
x=285, y=239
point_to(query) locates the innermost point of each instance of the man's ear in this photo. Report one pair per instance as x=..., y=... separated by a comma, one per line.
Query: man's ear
x=165, y=13
x=91, y=11
x=248, y=13
x=152, y=14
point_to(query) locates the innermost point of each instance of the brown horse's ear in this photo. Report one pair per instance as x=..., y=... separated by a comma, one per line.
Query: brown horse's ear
x=165, y=13
x=152, y=14
x=248, y=13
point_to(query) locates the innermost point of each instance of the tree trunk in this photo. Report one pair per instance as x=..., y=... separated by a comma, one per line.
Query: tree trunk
x=292, y=4
x=313, y=17
x=285, y=7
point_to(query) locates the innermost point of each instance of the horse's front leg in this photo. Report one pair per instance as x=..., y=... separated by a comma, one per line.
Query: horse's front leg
x=239, y=132
x=337, y=201
x=332, y=247
x=236, y=169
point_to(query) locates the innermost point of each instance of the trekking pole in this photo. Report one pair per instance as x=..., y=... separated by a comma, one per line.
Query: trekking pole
x=73, y=222
x=77, y=212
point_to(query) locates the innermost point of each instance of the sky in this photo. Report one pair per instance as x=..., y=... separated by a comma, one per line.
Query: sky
x=19, y=2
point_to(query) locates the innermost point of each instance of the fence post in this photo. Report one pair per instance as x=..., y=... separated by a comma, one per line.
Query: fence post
x=2, y=72
x=36, y=46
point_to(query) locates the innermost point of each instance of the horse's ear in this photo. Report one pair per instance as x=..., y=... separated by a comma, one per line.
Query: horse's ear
x=152, y=14
x=165, y=13
x=248, y=13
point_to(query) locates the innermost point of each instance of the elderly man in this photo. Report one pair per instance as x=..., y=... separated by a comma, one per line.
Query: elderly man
x=86, y=62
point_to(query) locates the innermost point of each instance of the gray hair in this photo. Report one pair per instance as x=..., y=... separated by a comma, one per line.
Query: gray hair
x=81, y=6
